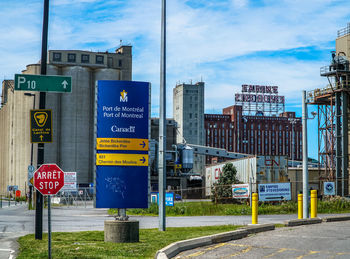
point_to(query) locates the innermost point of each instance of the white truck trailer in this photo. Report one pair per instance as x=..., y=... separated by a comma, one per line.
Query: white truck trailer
x=252, y=169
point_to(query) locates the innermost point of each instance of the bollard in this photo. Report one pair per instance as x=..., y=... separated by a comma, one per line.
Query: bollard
x=255, y=208
x=300, y=206
x=313, y=203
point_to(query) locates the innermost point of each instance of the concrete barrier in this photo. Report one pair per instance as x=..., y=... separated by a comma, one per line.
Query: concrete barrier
x=335, y=218
x=299, y=222
x=260, y=228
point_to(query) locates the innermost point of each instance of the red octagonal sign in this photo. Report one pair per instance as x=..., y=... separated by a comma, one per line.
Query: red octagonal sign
x=48, y=179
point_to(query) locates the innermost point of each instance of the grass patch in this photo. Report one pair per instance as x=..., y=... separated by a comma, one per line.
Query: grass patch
x=90, y=244
x=212, y=209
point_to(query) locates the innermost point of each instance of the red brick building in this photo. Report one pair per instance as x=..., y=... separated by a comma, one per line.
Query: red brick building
x=259, y=135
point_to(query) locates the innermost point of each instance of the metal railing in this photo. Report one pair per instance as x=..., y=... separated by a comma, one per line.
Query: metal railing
x=344, y=31
x=6, y=201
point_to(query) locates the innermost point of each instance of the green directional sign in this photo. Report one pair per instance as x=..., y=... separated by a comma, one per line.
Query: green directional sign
x=61, y=84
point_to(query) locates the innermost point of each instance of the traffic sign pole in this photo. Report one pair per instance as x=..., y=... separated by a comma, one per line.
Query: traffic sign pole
x=49, y=223
x=42, y=99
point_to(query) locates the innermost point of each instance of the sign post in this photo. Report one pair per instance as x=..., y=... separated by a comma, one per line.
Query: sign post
x=48, y=180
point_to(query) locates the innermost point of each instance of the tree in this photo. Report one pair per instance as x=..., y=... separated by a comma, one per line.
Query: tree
x=222, y=189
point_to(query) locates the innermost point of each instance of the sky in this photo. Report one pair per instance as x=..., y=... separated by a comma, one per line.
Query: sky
x=224, y=43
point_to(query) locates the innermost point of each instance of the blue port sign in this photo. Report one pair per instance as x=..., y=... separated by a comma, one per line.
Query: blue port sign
x=122, y=133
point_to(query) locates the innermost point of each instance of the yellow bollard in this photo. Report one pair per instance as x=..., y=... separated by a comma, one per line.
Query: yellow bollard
x=300, y=206
x=313, y=204
x=254, y=208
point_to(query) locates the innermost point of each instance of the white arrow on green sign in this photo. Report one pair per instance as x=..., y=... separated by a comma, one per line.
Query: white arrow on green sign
x=42, y=83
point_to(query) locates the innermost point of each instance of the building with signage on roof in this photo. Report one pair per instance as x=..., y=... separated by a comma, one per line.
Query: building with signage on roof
x=257, y=124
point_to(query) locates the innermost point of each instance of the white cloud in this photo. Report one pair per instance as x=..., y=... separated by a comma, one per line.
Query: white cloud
x=206, y=39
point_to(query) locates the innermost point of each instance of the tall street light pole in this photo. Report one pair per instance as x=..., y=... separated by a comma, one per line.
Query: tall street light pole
x=305, y=160
x=162, y=123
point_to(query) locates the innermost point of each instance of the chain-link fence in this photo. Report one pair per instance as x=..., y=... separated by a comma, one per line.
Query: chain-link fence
x=81, y=197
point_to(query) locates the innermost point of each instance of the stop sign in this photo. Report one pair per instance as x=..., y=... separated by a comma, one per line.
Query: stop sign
x=48, y=179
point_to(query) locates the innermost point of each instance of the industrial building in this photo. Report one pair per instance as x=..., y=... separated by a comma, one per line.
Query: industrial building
x=332, y=103
x=245, y=128
x=188, y=112
x=73, y=114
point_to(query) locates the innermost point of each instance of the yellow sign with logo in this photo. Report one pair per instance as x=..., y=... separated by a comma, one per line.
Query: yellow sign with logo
x=41, y=126
x=122, y=144
x=121, y=159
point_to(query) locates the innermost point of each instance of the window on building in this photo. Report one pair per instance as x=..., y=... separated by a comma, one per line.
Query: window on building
x=99, y=59
x=57, y=56
x=72, y=57
x=85, y=58
x=190, y=115
x=120, y=62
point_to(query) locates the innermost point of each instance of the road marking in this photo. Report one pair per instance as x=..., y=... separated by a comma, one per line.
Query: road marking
x=310, y=253
x=205, y=250
x=240, y=252
x=9, y=250
x=278, y=252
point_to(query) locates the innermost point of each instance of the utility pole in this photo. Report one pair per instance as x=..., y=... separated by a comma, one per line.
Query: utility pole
x=162, y=123
x=305, y=160
x=42, y=98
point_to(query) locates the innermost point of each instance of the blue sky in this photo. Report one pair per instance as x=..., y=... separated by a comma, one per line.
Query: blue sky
x=226, y=43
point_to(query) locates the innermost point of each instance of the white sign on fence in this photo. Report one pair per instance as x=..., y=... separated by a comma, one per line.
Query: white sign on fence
x=274, y=192
x=240, y=191
x=70, y=181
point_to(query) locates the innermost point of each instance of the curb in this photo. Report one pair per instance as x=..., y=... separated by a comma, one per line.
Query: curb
x=299, y=222
x=336, y=218
x=177, y=247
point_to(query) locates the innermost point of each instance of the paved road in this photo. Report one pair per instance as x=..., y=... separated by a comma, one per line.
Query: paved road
x=326, y=240
x=17, y=221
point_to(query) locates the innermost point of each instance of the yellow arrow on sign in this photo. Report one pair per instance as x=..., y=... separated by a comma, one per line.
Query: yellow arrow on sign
x=121, y=159
x=122, y=144
x=31, y=181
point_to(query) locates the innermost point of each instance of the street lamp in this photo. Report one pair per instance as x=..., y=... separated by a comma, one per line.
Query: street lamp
x=305, y=157
x=31, y=157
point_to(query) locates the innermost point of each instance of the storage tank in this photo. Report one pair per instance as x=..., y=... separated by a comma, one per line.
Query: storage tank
x=187, y=157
